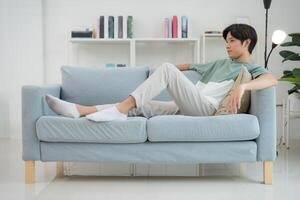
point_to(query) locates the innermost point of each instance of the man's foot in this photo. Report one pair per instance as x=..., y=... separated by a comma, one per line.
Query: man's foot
x=62, y=107
x=107, y=114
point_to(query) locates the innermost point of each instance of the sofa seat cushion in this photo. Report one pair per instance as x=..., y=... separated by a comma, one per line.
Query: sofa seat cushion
x=202, y=128
x=64, y=129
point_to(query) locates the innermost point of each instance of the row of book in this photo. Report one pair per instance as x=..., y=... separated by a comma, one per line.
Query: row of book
x=115, y=27
x=176, y=27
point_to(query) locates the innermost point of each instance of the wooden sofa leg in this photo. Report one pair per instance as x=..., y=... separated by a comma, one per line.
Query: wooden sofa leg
x=268, y=172
x=59, y=169
x=29, y=171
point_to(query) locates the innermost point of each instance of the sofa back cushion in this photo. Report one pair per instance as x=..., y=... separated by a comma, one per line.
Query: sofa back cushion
x=94, y=86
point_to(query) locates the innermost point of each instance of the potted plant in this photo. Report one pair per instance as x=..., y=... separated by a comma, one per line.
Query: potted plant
x=292, y=76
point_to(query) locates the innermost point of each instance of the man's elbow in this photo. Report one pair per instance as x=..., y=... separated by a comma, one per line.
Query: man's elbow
x=275, y=81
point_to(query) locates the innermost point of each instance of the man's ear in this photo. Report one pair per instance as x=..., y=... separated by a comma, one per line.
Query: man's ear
x=246, y=43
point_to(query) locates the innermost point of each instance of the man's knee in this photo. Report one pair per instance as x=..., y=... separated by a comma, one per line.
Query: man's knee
x=167, y=65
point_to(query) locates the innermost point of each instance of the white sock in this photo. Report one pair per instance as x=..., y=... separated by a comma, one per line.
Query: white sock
x=103, y=106
x=62, y=107
x=107, y=114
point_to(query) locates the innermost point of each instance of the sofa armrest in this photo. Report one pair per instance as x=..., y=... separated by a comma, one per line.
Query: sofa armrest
x=263, y=106
x=33, y=107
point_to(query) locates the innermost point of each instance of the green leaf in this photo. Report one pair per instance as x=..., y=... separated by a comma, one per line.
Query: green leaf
x=292, y=57
x=294, y=80
x=287, y=72
x=286, y=53
x=296, y=72
x=295, y=37
x=294, y=89
x=288, y=44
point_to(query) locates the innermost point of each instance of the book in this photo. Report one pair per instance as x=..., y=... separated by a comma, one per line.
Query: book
x=82, y=34
x=101, y=27
x=166, y=28
x=111, y=27
x=120, y=26
x=174, y=27
x=184, y=26
x=170, y=27
x=129, y=27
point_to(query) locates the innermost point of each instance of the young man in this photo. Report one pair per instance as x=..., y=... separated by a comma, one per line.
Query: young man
x=201, y=99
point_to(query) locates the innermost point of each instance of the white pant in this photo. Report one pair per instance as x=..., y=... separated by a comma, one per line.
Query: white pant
x=188, y=99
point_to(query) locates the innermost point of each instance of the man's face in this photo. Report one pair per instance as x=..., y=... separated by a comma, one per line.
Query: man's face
x=235, y=48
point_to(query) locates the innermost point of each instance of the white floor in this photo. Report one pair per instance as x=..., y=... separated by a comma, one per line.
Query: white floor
x=223, y=182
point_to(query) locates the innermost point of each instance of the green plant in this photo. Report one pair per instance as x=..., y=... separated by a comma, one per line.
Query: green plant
x=291, y=76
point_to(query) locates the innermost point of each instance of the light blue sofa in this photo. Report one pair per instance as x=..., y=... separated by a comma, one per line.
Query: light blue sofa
x=167, y=139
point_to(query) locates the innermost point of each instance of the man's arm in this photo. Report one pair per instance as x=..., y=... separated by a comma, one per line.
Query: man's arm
x=183, y=67
x=262, y=81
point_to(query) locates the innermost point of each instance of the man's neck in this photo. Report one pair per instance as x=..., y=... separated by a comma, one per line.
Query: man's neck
x=244, y=58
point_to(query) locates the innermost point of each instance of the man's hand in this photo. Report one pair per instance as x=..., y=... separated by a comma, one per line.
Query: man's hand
x=235, y=98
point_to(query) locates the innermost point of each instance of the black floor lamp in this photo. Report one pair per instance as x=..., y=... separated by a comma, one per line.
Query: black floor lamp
x=278, y=36
x=267, y=4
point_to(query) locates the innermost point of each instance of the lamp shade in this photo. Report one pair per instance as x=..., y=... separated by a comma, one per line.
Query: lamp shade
x=267, y=3
x=278, y=36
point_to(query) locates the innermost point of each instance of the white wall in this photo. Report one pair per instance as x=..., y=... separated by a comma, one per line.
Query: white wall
x=28, y=23
x=21, y=60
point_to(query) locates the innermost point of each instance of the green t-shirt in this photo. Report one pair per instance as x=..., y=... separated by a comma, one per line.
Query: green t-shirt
x=225, y=69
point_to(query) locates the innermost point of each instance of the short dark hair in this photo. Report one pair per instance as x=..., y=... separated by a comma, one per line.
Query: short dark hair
x=242, y=32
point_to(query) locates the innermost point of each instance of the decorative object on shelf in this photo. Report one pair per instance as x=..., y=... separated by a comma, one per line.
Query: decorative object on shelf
x=83, y=34
x=113, y=65
x=166, y=28
x=291, y=76
x=213, y=32
x=120, y=27
x=101, y=27
x=113, y=27
x=121, y=65
x=129, y=27
x=110, y=65
x=176, y=27
x=278, y=37
x=184, y=27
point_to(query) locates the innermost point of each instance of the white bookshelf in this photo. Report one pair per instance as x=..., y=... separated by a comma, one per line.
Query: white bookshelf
x=205, y=37
x=132, y=44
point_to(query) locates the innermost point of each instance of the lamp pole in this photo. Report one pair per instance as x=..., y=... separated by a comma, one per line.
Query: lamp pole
x=267, y=4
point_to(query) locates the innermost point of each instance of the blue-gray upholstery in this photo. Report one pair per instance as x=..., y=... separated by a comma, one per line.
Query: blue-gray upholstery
x=245, y=137
x=65, y=129
x=202, y=128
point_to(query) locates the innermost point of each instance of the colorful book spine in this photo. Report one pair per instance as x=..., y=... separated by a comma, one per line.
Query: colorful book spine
x=166, y=28
x=170, y=27
x=120, y=26
x=129, y=26
x=111, y=27
x=101, y=27
x=184, y=26
x=174, y=27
